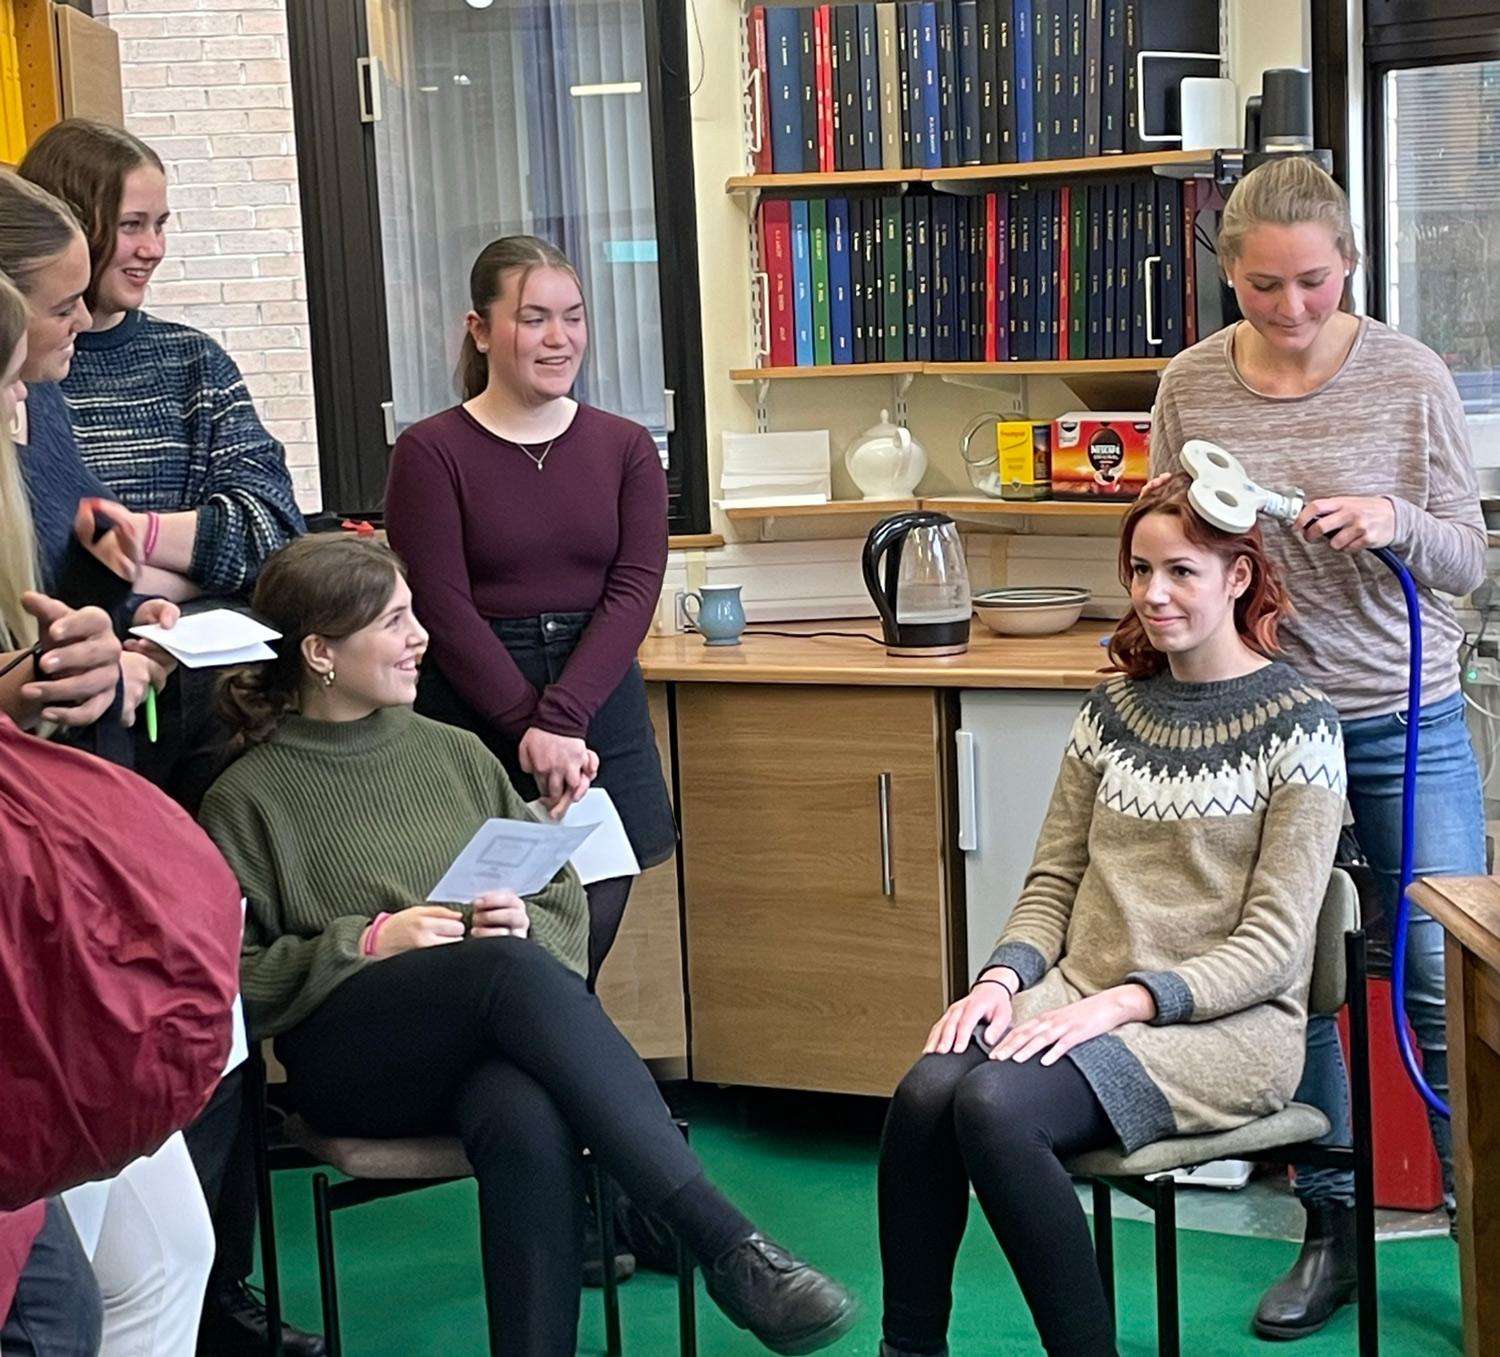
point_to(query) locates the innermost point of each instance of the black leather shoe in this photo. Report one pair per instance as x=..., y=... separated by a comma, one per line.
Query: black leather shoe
x=234, y=1325
x=593, y=1264
x=791, y=1307
x=1321, y=1280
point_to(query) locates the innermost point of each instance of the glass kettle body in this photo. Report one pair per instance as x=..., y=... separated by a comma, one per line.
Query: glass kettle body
x=915, y=571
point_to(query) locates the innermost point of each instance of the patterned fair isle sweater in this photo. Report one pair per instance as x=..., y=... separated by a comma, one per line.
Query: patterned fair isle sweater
x=164, y=420
x=331, y=822
x=1187, y=847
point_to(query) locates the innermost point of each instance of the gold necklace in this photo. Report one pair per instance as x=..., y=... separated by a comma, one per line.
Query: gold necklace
x=538, y=460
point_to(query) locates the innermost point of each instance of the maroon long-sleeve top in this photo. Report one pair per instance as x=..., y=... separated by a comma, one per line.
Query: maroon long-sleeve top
x=485, y=535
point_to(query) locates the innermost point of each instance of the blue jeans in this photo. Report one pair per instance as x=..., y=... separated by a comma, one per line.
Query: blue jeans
x=1450, y=841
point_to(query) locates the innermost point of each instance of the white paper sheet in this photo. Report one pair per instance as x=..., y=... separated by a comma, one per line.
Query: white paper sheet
x=210, y=639
x=606, y=852
x=508, y=855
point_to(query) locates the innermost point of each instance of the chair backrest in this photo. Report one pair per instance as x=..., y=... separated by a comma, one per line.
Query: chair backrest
x=1338, y=916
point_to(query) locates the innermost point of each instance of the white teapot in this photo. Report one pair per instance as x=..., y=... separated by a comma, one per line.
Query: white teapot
x=885, y=461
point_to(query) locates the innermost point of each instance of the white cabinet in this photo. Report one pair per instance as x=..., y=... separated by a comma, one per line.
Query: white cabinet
x=1009, y=746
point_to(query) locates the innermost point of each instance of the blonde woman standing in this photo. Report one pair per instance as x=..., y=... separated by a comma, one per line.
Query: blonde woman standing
x=1368, y=424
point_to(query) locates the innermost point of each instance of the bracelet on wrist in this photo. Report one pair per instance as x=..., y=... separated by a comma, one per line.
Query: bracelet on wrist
x=153, y=530
x=991, y=980
x=372, y=933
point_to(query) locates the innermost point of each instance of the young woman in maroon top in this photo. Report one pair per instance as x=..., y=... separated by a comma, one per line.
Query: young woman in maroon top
x=535, y=531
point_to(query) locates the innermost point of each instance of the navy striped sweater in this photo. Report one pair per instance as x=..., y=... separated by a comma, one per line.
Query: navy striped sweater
x=164, y=420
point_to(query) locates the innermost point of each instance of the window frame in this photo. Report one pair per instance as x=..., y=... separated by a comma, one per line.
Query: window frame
x=1404, y=35
x=336, y=166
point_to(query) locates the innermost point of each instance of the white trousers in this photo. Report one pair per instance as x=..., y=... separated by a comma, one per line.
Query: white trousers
x=149, y=1237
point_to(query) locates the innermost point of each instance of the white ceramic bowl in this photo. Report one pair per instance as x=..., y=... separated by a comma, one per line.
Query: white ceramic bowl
x=1030, y=611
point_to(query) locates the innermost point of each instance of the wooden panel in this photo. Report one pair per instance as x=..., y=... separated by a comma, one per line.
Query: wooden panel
x=36, y=45
x=88, y=63
x=1071, y=659
x=803, y=973
x=640, y=985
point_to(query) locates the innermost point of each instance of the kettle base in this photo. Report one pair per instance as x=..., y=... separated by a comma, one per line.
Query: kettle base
x=925, y=652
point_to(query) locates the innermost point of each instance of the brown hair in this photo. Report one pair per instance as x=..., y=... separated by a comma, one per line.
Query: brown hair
x=487, y=285
x=35, y=228
x=18, y=558
x=1257, y=612
x=1286, y=191
x=84, y=163
x=319, y=585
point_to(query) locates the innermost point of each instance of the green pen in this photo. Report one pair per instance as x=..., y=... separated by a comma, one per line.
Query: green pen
x=151, y=713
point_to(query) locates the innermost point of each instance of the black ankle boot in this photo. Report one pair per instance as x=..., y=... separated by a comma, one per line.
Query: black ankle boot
x=791, y=1307
x=1320, y=1281
x=235, y=1324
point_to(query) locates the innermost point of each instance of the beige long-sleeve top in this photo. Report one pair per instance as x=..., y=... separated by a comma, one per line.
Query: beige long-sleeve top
x=1390, y=423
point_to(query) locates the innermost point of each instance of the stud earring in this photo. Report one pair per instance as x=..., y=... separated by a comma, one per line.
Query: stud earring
x=328, y=679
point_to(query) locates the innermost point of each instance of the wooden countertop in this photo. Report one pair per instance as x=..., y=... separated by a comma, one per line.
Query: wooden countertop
x=1071, y=659
x=1468, y=907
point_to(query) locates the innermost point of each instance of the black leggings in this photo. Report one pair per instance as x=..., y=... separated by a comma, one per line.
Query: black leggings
x=1005, y=1127
x=607, y=900
x=494, y=1039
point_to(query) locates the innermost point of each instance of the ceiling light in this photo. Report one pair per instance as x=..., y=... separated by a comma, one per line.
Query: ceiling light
x=480, y=4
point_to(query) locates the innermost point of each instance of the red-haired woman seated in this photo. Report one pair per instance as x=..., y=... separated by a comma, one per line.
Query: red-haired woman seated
x=1152, y=978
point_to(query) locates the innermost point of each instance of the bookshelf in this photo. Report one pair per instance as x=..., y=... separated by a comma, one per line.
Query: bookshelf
x=1101, y=367
x=955, y=506
x=975, y=174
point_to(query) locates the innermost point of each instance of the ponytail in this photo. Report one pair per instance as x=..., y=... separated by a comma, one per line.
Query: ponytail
x=329, y=586
x=473, y=370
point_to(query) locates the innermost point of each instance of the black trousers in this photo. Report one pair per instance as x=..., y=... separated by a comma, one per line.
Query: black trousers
x=1005, y=1127
x=220, y=1146
x=496, y=1040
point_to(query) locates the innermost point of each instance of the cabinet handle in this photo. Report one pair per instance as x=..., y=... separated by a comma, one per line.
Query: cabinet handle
x=968, y=829
x=887, y=863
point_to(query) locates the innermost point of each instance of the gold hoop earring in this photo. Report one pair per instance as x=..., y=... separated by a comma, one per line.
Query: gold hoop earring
x=328, y=679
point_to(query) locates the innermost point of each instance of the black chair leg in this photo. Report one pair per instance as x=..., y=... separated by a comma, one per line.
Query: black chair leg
x=687, y=1303
x=1367, y=1296
x=327, y=1278
x=1104, y=1240
x=1168, y=1320
x=255, y=1080
x=605, y=1217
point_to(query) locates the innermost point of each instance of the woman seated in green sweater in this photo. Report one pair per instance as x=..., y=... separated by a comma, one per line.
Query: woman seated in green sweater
x=396, y=1018
x=1152, y=978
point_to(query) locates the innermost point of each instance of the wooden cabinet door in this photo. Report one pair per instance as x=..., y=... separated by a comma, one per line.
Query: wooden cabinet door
x=815, y=901
x=640, y=984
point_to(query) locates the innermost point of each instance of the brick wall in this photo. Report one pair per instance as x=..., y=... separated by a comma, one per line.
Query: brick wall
x=207, y=85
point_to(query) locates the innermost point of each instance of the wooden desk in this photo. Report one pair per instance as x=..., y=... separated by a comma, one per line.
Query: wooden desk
x=1468, y=907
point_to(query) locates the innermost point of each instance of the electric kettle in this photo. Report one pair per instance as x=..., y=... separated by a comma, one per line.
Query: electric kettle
x=914, y=569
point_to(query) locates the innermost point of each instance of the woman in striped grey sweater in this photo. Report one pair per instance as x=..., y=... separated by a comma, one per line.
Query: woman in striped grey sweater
x=1152, y=979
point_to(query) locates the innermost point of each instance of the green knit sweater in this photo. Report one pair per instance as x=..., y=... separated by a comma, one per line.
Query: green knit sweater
x=330, y=822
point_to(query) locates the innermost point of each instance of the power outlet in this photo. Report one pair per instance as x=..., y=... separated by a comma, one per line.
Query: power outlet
x=1483, y=671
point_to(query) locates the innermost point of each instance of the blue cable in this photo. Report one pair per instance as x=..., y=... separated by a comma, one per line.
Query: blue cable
x=1402, y=924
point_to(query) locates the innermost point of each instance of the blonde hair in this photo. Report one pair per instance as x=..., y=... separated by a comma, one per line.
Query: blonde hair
x=1286, y=191
x=18, y=557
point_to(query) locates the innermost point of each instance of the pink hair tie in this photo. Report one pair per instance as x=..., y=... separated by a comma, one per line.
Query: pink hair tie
x=372, y=933
x=153, y=530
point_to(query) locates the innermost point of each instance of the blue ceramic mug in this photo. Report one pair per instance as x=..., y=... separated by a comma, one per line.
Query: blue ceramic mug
x=716, y=611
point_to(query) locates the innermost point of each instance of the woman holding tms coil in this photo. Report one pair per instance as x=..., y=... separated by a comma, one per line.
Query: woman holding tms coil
x=1367, y=423
x=535, y=529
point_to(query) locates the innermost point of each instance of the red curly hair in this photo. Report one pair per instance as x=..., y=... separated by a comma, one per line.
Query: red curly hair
x=1258, y=612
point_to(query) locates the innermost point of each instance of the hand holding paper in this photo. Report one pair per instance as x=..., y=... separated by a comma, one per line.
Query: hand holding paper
x=210, y=639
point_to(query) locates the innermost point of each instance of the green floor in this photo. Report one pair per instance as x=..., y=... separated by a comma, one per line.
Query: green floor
x=803, y=1166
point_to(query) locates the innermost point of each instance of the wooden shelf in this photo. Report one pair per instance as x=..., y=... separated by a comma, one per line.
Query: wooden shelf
x=1033, y=169
x=975, y=506
x=838, y=370
x=833, y=508
x=1101, y=367
x=1016, y=508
